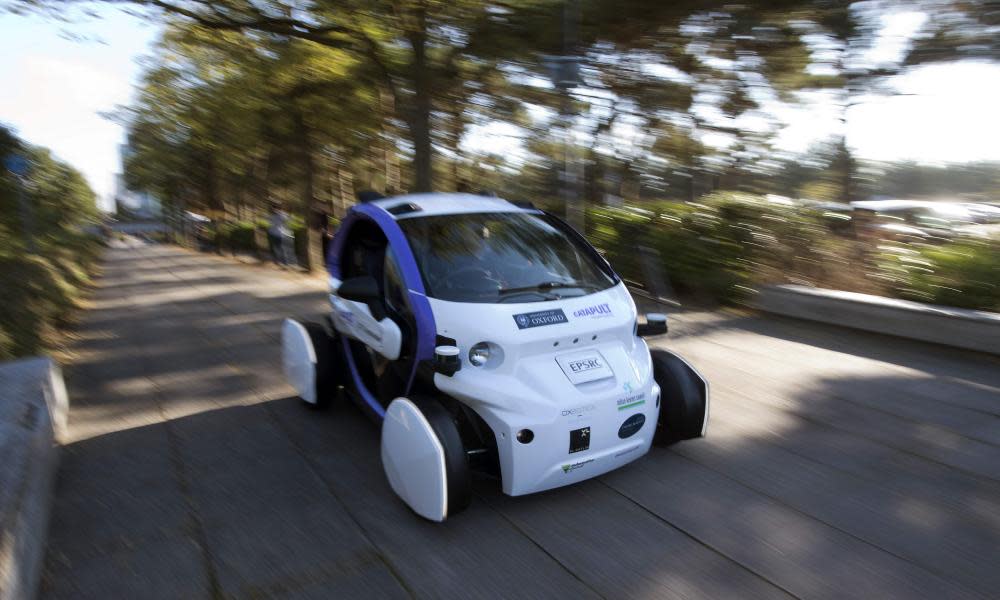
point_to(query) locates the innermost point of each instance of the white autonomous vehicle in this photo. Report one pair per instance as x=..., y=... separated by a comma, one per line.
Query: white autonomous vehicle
x=488, y=336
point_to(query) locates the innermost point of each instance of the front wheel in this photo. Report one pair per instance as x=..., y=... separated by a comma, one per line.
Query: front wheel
x=424, y=457
x=683, y=399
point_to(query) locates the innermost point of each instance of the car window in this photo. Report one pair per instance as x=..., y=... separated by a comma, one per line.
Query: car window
x=393, y=286
x=503, y=257
x=363, y=252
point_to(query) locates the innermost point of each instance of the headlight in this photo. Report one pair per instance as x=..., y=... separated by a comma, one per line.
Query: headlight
x=479, y=354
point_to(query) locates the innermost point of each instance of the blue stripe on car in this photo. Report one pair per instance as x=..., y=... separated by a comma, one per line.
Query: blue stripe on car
x=422, y=314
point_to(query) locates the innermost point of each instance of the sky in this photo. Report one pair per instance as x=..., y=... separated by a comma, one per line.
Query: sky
x=53, y=90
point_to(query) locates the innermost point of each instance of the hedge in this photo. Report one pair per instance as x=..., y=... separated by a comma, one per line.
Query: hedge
x=726, y=244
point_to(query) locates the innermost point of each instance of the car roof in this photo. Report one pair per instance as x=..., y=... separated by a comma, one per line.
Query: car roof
x=434, y=204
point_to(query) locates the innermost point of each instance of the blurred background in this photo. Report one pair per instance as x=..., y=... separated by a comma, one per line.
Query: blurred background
x=155, y=155
x=846, y=145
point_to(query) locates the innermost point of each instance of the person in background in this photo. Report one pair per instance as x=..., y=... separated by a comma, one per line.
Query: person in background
x=279, y=237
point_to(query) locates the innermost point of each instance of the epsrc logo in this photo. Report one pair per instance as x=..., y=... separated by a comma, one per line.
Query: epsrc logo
x=585, y=364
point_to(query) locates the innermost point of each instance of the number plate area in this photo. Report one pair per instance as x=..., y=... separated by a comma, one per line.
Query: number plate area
x=581, y=367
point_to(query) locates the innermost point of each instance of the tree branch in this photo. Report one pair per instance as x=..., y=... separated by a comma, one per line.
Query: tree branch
x=281, y=26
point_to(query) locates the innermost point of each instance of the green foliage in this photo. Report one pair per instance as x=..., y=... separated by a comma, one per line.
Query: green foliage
x=699, y=249
x=728, y=243
x=38, y=291
x=963, y=274
x=238, y=237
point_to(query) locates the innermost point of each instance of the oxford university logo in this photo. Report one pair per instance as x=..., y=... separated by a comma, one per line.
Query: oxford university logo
x=540, y=318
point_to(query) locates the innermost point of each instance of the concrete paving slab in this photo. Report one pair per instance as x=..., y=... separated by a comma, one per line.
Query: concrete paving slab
x=838, y=463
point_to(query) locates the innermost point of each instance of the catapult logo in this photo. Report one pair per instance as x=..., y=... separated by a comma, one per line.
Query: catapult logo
x=540, y=318
x=597, y=311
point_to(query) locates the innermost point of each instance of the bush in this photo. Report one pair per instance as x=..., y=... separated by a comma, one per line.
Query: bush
x=963, y=274
x=39, y=291
x=39, y=294
x=238, y=237
x=724, y=245
x=715, y=248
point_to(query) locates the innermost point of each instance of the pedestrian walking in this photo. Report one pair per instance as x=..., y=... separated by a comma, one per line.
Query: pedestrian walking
x=280, y=237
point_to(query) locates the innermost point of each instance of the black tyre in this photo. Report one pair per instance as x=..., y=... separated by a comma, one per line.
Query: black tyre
x=455, y=459
x=683, y=399
x=328, y=364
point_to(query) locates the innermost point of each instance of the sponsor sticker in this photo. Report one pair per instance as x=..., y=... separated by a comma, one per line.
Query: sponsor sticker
x=578, y=411
x=579, y=440
x=540, y=318
x=574, y=466
x=630, y=399
x=631, y=425
x=598, y=310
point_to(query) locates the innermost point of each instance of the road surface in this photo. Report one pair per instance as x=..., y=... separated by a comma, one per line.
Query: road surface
x=839, y=464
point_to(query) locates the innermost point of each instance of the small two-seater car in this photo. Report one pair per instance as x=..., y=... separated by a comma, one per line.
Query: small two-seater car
x=488, y=336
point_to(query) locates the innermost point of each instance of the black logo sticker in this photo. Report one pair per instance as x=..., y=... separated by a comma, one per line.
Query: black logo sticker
x=540, y=318
x=579, y=440
x=631, y=425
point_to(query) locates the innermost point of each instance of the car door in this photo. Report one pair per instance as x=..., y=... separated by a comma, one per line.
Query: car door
x=393, y=376
x=356, y=319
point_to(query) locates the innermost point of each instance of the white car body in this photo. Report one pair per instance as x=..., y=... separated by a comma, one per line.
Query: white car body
x=568, y=390
x=531, y=388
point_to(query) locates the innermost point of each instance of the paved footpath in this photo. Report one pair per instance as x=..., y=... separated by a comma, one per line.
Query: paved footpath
x=839, y=464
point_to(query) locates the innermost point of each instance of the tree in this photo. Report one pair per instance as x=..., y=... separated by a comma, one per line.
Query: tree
x=227, y=121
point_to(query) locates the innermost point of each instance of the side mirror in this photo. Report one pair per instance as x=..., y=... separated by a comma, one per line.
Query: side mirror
x=363, y=289
x=656, y=324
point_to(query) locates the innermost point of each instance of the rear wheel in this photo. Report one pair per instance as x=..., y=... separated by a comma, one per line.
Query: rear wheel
x=424, y=457
x=683, y=399
x=311, y=361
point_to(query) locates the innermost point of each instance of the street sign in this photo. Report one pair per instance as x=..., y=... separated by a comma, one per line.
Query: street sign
x=16, y=164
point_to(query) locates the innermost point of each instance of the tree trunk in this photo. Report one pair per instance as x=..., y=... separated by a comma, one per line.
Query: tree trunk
x=391, y=161
x=419, y=121
x=310, y=207
x=346, y=191
x=456, y=140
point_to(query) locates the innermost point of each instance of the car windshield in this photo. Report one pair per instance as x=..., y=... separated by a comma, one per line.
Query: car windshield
x=503, y=257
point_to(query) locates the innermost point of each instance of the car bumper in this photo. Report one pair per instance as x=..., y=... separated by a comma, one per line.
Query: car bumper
x=552, y=461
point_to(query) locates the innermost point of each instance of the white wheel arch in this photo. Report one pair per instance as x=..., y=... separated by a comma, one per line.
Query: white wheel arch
x=414, y=460
x=298, y=358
